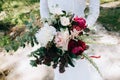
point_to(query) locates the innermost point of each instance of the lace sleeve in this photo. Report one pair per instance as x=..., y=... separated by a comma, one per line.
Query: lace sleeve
x=44, y=11
x=94, y=9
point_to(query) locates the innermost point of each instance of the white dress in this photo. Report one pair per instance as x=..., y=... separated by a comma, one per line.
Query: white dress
x=75, y=6
x=82, y=70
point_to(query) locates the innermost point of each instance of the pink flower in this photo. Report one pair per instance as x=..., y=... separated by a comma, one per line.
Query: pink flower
x=76, y=27
x=74, y=33
x=76, y=47
x=79, y=23
x=61, y=39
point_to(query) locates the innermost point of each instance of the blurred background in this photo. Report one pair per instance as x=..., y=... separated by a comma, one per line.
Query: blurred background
x=14, y=14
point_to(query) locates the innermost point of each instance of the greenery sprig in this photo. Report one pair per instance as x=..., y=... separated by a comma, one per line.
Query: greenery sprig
x=28, y=37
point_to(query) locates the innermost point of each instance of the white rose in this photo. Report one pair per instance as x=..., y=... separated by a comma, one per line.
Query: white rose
x=65, y=21
x=45, y=34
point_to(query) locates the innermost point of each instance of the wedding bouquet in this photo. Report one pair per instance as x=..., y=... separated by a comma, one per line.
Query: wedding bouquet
x=61, y=41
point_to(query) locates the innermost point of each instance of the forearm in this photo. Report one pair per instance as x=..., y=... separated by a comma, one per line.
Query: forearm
x=44, y=11
x=94, y=10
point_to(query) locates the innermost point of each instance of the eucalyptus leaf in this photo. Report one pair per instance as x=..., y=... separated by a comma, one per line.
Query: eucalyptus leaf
x=59, y=51
x=33, y=63
x=72, y=55
x=35, y=40
x=70, y=61
x=7, y=48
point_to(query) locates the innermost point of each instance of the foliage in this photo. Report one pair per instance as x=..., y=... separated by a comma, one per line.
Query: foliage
x=110, y=18
x=20, y=41
x=18, y=16
x=17, y=12
x=55, y=55
x=4, y=25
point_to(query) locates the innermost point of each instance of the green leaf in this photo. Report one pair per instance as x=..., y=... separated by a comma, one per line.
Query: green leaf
x=36, y=52
x=26, y=22
x=39, y=52
x=32, y=42
x=70, y=61
x=7, y=48
x=48, y=64
x=33, y=63
x=15, y=46
x=92, y=62
x=59, y=51
x=42, y=50
x=55, y=59
x=35, y=40
x=72, y=55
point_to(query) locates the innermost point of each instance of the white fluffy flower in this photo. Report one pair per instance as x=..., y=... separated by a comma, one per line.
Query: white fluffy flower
x=45, y=34
x=65, y=21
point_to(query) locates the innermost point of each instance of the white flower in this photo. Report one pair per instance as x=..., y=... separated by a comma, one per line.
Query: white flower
x=45, y=34
x=64, y=21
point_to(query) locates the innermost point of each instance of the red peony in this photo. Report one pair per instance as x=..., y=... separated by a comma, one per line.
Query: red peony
x=79, y=23
x=76, y=47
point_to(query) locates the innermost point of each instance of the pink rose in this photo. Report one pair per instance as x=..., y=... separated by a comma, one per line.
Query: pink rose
x=74, y=33
x=61, y=39
x=77, y=27
x=79, y=23
x=76, y=47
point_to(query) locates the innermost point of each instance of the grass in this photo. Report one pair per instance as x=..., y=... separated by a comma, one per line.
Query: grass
x=110, y=18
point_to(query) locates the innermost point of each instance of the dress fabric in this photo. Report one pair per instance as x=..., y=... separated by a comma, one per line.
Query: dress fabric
x=83, y=69
x=75, y=6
